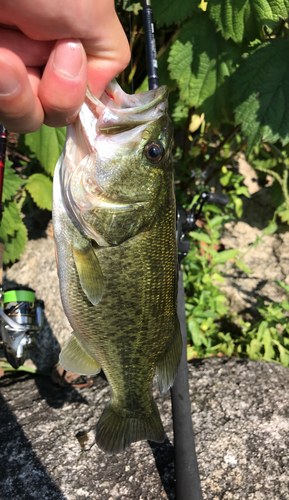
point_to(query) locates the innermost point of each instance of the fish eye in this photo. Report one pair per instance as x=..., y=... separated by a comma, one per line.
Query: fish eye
x=154, y=151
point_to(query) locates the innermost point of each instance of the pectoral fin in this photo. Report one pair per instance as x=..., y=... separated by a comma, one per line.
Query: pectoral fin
x=74, y=358
x=89, y=271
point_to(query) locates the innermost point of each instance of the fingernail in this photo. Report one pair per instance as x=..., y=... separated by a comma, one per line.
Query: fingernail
x=9, y=84
x=68, y=58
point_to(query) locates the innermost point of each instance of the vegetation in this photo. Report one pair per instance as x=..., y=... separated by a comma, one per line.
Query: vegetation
x=225, y=63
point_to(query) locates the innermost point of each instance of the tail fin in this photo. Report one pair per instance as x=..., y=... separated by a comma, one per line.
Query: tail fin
x=115, y=432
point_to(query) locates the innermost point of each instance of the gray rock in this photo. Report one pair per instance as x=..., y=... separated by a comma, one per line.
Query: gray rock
x=240, y=411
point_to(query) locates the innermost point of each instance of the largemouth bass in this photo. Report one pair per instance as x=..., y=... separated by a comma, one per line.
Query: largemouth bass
x=114, y=226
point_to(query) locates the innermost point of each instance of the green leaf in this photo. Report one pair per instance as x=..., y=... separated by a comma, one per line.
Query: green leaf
x=262, y=329
x=271, y=228
x=238, y=206
x=15, y=246
x=191, y=353
x=218, y=277
x=241, y=265
x=40, y=188
x=283, y=285
x=202, y=62
x=200, y=237
x=169, y=11
x=226, y=255
x=238, y=19
x=195, y=332
x=11, y=219
x=47, y=144
x=253, y=349
x=261, y=93
x=225, y=179
x=284, y=214
x=284, y=355
x=12, y=182
x=269, y=349
x=12, y=232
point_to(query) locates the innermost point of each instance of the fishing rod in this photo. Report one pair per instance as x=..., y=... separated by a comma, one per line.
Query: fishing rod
x=3, y=142
x=188, y=485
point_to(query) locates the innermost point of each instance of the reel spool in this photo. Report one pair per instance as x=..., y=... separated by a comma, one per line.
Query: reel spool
x=21, y=317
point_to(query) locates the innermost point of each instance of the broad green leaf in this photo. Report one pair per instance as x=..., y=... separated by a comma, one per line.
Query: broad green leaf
x=40, y=188
x=195, y=332
x=224, y=256
x=261, y=93
x=265, y=163
x=225, y=179
x=241, y=265
x=200, y=237
x=202, y=62
x=269, y=349
x=218, y=277
x=15, y=246
x=284, y=214
x=242, y=190
x=285, y=305
x=169, y=11
x=11, y=219
x=284, y=355
x=271, y=228
x=12, y=182
x=253, y=349
x=191, y=353
x=12, y=232
x=221, y=298
x=238, y=206
x=283, y=285
x=262, y=329
x=238, y=19
x=47, y=144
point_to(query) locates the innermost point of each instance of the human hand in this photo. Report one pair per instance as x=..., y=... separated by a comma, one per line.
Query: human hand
x=49, y=52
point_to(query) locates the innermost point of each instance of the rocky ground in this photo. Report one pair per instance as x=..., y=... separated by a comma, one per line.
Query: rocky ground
x=239, y=408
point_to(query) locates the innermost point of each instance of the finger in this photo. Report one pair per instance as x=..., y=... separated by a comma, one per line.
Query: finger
x=20, y=109
x=63, y=85
x=32, y=53
x=95, y=23
x=107, y=60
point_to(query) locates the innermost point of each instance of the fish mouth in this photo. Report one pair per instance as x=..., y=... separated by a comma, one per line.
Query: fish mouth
x=118, y=112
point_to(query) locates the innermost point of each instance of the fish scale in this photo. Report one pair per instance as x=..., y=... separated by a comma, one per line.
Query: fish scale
x=119, y=292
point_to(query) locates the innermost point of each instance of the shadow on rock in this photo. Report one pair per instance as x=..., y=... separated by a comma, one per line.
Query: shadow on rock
x=164, y=455
x=56, y=396
x=22, y=475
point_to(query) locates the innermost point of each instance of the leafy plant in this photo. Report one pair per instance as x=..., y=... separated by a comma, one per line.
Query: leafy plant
x=205, y=302
x=45, y=145
x=13, y=232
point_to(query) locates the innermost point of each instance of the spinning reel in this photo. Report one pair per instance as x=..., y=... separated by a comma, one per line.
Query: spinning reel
x=20, y=318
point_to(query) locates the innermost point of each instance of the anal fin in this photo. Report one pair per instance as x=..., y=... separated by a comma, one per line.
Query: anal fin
x=168, y=365
x=89, y=271
x=74, y=358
